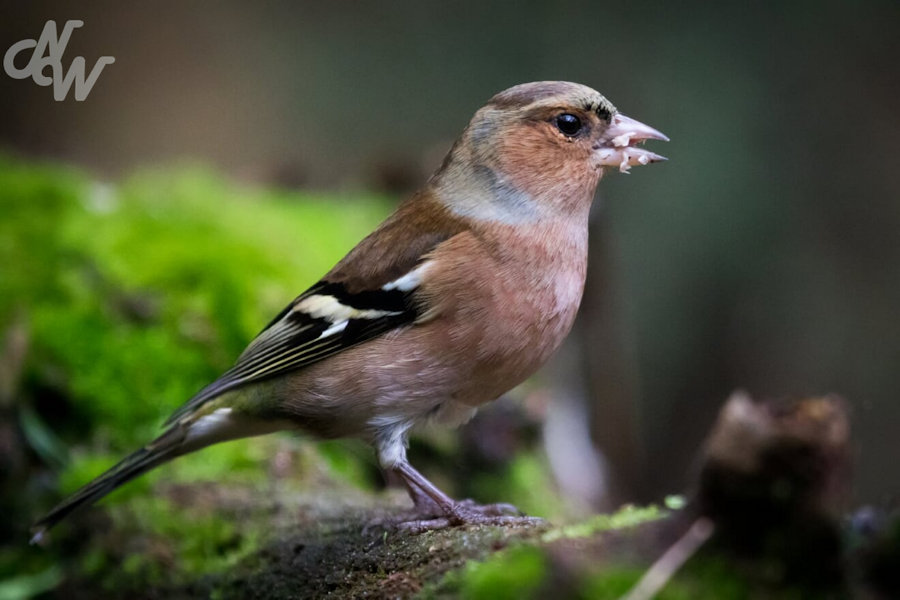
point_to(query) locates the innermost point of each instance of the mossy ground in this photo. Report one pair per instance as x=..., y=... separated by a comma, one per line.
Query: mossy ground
x=237, y=541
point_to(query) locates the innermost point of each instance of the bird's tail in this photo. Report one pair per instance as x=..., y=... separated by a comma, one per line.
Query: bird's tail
x=162, y=449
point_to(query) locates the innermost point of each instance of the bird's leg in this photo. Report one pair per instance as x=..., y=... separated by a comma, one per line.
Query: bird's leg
x=423, y=492
x=433, y=508
x=426, y=496
x=423, y=504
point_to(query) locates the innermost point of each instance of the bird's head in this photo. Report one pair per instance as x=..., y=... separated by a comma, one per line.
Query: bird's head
x=539, y=146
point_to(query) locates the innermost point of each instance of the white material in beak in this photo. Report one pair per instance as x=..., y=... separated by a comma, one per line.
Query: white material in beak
x=617, y=147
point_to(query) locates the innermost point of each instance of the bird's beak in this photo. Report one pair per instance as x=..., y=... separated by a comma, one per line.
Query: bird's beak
x=618, y=146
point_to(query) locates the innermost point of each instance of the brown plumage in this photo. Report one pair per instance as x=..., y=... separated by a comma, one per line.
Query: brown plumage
x=457, y=297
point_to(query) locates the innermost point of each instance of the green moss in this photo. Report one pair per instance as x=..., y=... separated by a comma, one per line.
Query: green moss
x=626, y=517
x=37, y=201
x=137, y=294
x=26, y=572
x=614, y=581
x=28, y=586
x=157, y=543
x=521, y=571
x=675, y=502
x=705, y=576
x=526, y=482
x=348, y=460
x=516, y=573
x=158, y=283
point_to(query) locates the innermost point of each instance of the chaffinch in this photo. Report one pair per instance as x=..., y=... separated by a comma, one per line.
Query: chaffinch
x=456, y=298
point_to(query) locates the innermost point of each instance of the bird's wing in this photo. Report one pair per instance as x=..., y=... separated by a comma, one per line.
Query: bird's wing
x=353, y=303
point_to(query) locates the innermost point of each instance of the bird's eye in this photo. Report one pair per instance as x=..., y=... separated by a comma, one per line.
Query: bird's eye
x=568, y=124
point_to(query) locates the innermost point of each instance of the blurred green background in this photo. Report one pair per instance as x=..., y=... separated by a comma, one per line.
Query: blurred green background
x=234, y=151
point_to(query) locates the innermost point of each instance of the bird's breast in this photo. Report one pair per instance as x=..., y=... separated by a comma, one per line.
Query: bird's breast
x=516, y=304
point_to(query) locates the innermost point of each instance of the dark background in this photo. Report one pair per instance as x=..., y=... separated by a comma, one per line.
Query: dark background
x=764, y=255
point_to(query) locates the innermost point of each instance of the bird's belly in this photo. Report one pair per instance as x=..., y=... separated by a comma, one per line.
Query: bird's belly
x=507, y=359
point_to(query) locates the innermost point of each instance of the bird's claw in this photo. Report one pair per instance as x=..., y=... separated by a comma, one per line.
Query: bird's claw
x=422, y=525
x=468, y=512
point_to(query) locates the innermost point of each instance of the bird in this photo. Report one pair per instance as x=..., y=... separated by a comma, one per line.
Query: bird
x=462, y=293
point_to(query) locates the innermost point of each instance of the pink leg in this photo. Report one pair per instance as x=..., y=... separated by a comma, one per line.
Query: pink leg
x=427, y=497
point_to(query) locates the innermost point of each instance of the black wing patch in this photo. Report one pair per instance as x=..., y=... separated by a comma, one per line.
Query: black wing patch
x=321, y=322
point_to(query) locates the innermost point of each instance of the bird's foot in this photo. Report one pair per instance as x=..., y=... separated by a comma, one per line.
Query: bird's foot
x=468, y=512
x=436, y=510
